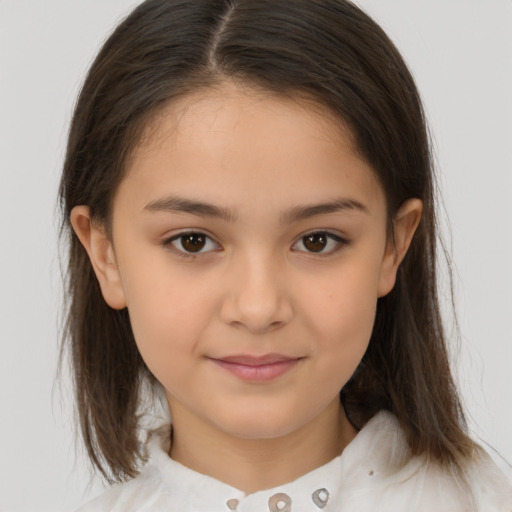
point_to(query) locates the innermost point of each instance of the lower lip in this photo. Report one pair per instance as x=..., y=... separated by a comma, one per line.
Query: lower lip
x=261, y=373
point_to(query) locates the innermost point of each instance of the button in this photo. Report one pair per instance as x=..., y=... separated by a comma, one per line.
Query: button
x=232, y=504
x=280, y=502
x=320, y=497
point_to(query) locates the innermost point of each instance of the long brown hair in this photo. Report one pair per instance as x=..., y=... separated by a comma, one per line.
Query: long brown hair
x=328, y=50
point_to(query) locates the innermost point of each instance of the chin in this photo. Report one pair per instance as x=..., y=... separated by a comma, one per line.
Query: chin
x=255, y=425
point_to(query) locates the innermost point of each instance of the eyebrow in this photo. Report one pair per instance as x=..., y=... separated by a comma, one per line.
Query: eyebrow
x=175, y=204
x=335, y=206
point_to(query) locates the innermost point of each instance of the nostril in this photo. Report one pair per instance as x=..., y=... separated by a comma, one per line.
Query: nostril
x=256, y=315
x=263, y=329
x=255, y=295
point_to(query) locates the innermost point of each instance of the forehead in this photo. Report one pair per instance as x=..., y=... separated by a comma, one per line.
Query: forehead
x=255, y=143
x=242, y=99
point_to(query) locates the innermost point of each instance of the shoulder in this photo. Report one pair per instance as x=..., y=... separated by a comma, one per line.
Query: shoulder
x=147, y=489
x=491, y=485
x=381, y=472
x=131, y=496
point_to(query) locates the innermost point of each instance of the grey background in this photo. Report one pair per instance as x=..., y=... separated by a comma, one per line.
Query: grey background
x=461, y=54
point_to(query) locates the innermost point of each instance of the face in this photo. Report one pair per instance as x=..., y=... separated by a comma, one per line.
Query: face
x=249, y=245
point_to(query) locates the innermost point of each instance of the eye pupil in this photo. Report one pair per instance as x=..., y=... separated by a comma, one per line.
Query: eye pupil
x=315, y=242
x=193, y=242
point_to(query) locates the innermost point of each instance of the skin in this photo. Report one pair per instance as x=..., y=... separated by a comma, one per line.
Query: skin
x=256, y=287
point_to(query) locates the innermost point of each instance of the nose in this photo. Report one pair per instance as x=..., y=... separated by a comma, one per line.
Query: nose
x=256, y=295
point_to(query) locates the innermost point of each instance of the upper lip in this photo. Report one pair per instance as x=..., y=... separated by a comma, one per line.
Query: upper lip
x=250, y=360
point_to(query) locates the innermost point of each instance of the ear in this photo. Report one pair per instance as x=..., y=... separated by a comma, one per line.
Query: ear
x=94, y=238
x=404, y=226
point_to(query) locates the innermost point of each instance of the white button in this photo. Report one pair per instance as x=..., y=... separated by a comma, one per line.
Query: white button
x=280, y=502
x=232, y=504
x=320, y=497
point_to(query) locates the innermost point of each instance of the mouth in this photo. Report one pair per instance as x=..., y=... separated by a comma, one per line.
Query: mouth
x=257, y=368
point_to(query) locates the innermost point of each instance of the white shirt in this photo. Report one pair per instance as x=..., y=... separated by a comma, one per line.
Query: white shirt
x=375, y=473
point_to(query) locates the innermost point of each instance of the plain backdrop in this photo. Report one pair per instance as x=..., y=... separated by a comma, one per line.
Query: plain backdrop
x=460, y=52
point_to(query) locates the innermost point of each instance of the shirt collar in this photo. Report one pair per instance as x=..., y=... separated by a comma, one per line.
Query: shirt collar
x=191, y=490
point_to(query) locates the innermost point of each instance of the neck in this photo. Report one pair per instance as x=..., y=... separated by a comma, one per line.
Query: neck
x=255, y=464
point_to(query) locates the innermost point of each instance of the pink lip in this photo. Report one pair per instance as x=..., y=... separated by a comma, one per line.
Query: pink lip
x=257, y=368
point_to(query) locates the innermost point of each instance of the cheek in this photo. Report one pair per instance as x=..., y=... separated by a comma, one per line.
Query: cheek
x=167, y=316
x=344, y=315
x=348, y=326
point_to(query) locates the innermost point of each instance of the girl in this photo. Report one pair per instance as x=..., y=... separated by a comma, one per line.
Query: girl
x=249, y=192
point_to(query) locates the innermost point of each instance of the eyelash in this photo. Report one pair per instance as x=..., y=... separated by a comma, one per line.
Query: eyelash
x=339, y=241
x=169, y=243
x=182, y=252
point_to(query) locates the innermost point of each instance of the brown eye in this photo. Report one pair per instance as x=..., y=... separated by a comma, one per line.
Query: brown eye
x=193, y=242
x=320, y=242
x=315, y=242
